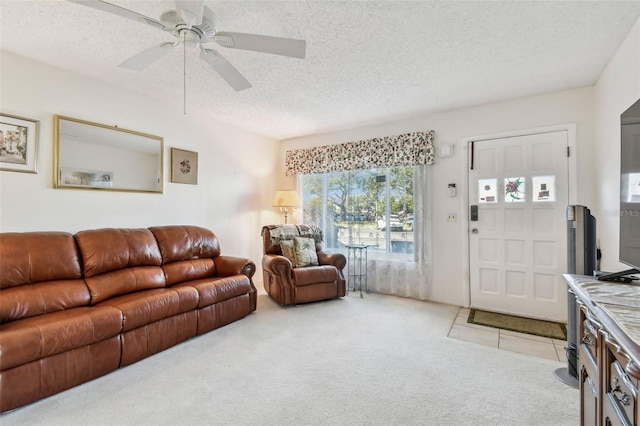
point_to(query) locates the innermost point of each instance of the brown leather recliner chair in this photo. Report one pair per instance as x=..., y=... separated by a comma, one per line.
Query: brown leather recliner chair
x=289, y=285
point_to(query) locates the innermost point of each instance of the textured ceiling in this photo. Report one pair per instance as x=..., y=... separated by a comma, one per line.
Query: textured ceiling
x=366, y=62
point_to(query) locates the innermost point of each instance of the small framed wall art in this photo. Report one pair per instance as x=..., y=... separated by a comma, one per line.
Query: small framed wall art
x=18, y=143
x=184, y=166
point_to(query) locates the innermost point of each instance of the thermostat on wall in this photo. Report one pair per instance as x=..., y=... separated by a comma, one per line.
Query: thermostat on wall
x=446, y=150
x=452, y=190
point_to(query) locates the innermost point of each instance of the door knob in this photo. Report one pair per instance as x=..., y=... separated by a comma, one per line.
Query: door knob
x=474, y=231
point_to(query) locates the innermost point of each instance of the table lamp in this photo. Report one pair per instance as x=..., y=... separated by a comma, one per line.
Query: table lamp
x=287, y=201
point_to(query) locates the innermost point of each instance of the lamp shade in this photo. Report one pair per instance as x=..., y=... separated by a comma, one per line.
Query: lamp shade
x=286, y=199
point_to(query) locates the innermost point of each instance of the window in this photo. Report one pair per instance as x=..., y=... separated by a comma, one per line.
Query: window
x=544, y=188
x=632, y=190
x=514, y=190
x=488, y=189
x=373, y=207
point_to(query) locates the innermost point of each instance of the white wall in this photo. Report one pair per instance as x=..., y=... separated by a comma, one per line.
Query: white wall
x=450, y=273
x=235, y=187
x=617, y=89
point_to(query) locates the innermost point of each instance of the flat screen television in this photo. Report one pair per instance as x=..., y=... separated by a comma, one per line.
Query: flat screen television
x=629, y=249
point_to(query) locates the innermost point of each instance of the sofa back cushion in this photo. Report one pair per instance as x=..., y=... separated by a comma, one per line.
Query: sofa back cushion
x=184, y=242
x=187, y=252
x=40, y=272
x=120, y=261
x=189, y=270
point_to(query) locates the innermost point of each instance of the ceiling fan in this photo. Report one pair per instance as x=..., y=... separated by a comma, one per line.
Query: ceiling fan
x=193, y=24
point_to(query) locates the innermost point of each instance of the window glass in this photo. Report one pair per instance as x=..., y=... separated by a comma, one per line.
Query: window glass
x=633, y=189
x=488, y=190
x=313, y=201
x=373, y=207
x=544, y=188
x=514, y=190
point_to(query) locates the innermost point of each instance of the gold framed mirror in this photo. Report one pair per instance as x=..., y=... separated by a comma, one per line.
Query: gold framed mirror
x=96, y=156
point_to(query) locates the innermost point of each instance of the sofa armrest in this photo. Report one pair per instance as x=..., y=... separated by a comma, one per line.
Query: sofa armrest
x=230, y=265
x=277, y=265
x=335, y=259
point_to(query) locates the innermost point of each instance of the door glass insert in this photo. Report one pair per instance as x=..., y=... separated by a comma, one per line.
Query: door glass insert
x=488, y=190
x=514, y=190
x=544, y=188
x=633, y=189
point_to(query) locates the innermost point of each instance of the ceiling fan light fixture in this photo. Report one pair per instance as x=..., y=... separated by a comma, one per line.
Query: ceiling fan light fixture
x=189, y=37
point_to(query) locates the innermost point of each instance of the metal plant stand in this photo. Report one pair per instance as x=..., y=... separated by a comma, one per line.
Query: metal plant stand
x=357, y=267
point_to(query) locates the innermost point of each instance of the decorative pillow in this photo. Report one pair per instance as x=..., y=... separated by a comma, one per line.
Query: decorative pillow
x=305, y=252
x=287, y=251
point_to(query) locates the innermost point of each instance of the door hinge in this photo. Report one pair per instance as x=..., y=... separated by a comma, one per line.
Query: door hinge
x=568, y=151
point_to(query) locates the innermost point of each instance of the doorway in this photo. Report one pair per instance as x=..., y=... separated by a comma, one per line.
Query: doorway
x=518, y=192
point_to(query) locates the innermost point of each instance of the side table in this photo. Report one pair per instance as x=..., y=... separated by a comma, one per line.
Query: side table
x=357, y=267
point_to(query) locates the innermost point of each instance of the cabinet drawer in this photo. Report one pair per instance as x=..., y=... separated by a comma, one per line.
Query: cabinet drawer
x=622, y=391
x=589, y=341
x=611, y=415
x=588, y=399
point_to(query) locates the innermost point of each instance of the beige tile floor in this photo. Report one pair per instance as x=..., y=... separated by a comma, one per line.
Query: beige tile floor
x=508, y=340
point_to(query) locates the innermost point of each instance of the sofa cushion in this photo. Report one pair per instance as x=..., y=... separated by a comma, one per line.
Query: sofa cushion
x=124, y=281
x=185, y=242
x=217, y=289
x=305, y=252
x=188, y=270
x=288, y=251
x=42, y=336
x=315, y=275
x=145, y=307
x=105, y=250
x=40, y=273
x=32, y=257
x=36, y=299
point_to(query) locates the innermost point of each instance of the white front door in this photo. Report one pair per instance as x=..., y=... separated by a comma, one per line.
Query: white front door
x=518, y=195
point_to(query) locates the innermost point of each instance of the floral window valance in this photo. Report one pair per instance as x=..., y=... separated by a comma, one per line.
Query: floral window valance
x=409, y=149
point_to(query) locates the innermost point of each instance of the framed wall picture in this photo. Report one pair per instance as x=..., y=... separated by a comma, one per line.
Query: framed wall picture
x=184, y=166
x=18, y=143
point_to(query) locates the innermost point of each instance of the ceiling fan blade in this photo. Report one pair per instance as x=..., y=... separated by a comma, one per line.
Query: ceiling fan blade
x=209, y=16
x=149, y=56
x=191, y=11
x=227, y=71
x=120, y=11
x=261, y=43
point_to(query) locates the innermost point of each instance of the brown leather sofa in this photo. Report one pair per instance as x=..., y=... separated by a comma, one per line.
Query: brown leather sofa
x=76, y=307
x=289, y=285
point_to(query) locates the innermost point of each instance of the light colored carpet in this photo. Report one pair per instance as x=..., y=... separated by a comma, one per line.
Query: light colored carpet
x=381, y=360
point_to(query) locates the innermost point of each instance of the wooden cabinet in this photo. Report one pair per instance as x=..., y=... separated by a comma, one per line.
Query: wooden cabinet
x=608, y=350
